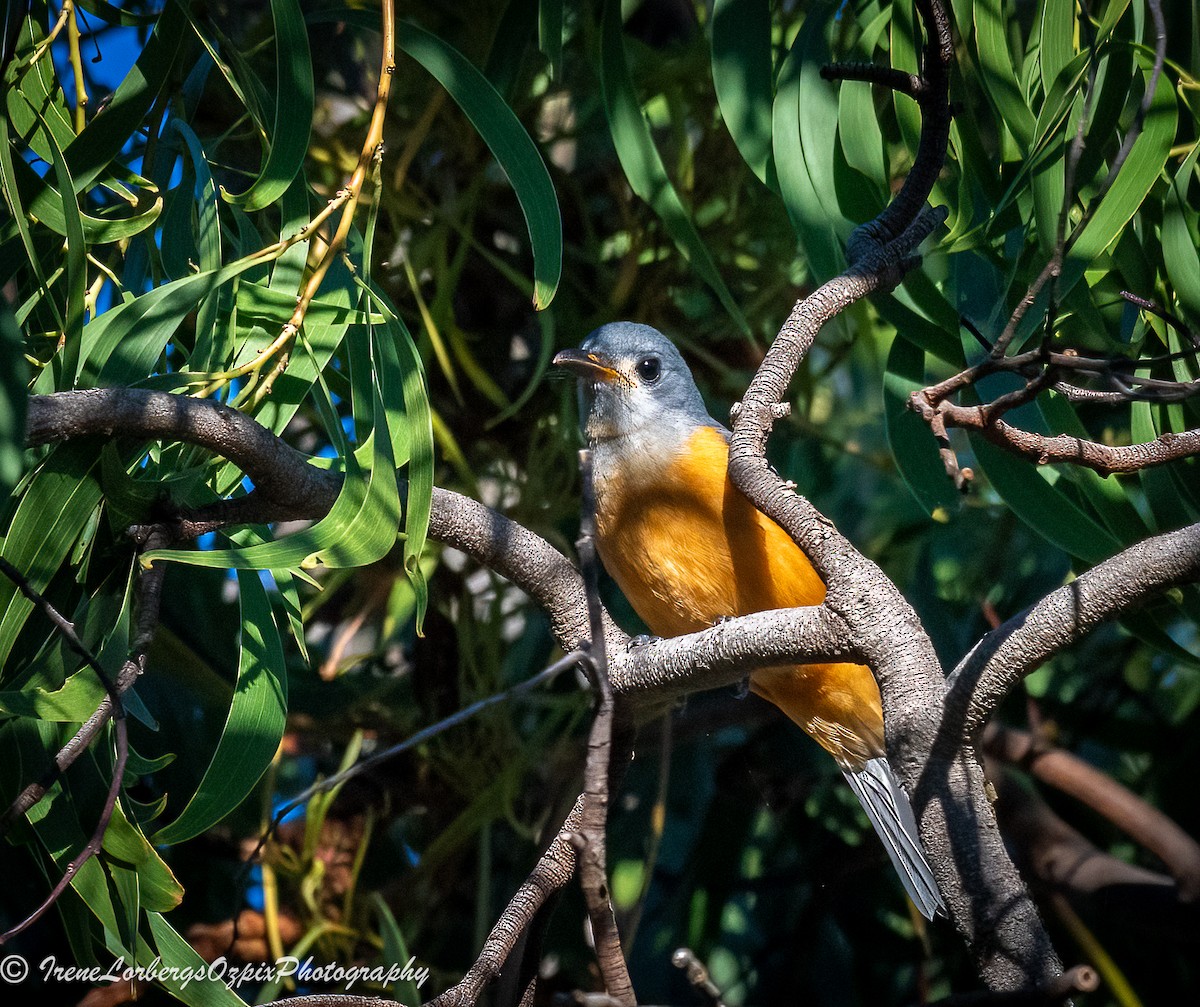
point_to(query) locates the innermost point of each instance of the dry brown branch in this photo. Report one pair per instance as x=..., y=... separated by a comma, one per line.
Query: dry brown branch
x=1058, y=858
x=1138, y=819
x=1060, y=448
x=697, y=976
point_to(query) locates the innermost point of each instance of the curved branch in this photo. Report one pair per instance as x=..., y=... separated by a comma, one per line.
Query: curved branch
x=287, y=486
x=555, y=868
x=987, y=900
x=1018, y=647
x=1137, y=818
x=283, y=478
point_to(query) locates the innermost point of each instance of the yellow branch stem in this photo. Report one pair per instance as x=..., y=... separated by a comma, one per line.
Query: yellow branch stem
x=81, y=95
x=371, y=150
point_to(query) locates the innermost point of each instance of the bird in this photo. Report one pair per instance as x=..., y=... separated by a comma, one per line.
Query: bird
x=688, y=551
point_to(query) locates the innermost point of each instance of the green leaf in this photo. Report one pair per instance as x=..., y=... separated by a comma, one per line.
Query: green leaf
x=254, y=726
x=402, y=360
x=293, y=111
x=360, y=527
x=67, y=362
x=13, y=399
x=1058, y=38
x=509, y=143
x=795, y=156
x=73, y=702
x=743, y=76
x=158, y=888
x=550, y=34
x=1043, y=507
x=1179, y=253
x=395, y=951
x=186, y=974
x=123, y=344
x=1139, y=172
x=644, y=167
x=58, y=829
x=48, y=520
x=997, y=74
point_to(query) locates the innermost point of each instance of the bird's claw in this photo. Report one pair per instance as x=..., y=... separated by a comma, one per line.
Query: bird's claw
x=642, y=639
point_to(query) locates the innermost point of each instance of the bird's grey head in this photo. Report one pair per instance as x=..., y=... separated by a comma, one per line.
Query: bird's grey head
x=633, y=381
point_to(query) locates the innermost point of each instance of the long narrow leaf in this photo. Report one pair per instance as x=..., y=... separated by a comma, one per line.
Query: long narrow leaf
x=643, y=166
x=254, y=726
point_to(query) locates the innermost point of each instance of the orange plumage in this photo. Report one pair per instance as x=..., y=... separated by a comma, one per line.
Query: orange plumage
x=686, y=548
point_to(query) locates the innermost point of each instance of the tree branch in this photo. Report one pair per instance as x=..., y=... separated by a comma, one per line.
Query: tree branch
x=1137, y=818
x=555, y=868
x=591, y=839
x=1110, y=589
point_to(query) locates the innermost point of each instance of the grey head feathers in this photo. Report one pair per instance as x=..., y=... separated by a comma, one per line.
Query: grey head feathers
x=642, y=386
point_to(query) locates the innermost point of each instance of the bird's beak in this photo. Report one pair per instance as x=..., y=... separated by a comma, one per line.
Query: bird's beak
x=587, y=365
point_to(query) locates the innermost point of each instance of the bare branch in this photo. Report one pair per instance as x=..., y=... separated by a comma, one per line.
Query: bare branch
x=659, y=671
x=593, y=823
x=1079, y=979
x=333, y=1000
x=1110, y=589
x=697, y=976
x=1042, y=449
x=1059, y=859
x=911, y=84
x=1138, y=819
x=555, y=868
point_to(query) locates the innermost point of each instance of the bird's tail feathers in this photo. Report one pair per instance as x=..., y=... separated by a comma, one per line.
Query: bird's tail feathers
x=886, y=804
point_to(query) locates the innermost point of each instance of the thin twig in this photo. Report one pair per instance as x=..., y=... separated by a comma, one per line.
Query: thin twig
x=593, y=871
x=543, y=677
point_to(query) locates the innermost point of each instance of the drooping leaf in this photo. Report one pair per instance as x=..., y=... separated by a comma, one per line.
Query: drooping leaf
x=254, y=726
x=293, y=109
x=644, y=167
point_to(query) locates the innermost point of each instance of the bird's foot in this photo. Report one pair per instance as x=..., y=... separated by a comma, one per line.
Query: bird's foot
x=642, y=639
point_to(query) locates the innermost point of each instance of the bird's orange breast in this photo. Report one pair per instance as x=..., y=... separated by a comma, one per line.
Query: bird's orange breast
x=687, y=549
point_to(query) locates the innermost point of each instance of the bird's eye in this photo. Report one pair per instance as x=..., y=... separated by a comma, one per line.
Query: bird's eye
x=649, y=368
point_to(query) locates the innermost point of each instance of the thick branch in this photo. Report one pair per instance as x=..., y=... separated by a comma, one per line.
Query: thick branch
x=664, y=669
x=658, y=671
x=987, y=900
x=1018, y=647
x=287, y=486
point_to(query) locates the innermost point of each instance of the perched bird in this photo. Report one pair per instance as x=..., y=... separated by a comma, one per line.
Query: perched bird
x=687, y=549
